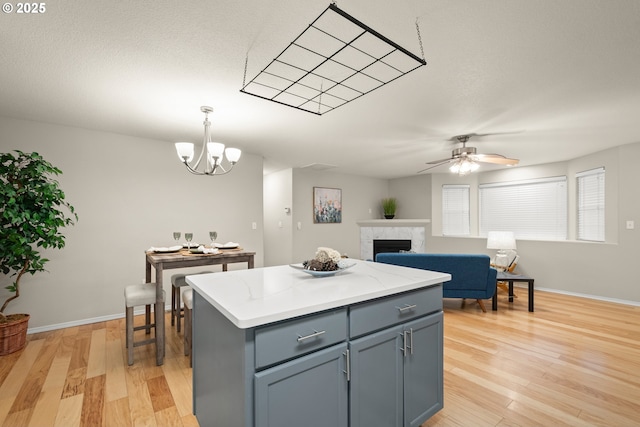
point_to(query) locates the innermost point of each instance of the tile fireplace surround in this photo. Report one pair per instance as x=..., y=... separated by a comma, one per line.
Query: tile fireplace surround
x=376, y=229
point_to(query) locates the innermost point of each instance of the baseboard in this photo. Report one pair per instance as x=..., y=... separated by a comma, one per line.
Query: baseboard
x=588, y=296
x=86, y=321
x=168, y=307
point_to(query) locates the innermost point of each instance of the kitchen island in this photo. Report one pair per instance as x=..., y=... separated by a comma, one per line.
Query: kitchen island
x=278, y=347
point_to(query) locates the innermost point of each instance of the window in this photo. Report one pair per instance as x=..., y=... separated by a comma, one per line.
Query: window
x=590, y=203
x=455, y=210
x=534, y=209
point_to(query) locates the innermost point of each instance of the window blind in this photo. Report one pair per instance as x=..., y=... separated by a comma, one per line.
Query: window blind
x=533, y=209
x=590, y=186
x=455, y=210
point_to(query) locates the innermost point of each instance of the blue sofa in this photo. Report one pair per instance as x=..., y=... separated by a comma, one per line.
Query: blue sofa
x=471, y=274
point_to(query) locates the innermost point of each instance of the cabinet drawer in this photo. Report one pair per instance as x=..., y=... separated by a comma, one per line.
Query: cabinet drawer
x=376, y=315
x=299, y=336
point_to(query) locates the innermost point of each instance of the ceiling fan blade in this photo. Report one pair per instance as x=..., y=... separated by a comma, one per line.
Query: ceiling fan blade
x=437, y=162
x=435, y=165
x=495, y=158
x=511, y=132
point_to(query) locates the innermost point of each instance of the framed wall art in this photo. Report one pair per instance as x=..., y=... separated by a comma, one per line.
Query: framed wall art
x=327, y=205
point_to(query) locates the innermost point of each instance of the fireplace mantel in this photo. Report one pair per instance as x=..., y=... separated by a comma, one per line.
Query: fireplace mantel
x=393, y=222
x=410, y=229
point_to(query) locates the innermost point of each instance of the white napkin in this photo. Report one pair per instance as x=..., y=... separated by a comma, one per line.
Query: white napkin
x=204, y=250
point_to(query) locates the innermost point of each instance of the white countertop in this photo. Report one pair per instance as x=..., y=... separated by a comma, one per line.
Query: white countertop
x=255, y=297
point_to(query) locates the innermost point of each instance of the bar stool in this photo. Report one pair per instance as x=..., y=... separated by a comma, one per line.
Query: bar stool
x=177, y=282
x=136, y=295
x=187, y=298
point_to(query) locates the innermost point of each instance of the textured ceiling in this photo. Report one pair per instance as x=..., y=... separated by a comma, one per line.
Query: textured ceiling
x=562, y=75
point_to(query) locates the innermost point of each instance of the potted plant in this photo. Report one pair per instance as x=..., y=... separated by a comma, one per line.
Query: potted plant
x=32, y=213
x=389, y=206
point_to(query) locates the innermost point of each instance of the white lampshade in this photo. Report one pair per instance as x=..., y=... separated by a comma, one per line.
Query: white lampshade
x=501, y=240
x=233, y=154
x=215, y=149
x=184, y=149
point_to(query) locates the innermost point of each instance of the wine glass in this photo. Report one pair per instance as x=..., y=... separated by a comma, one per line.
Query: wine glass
x=213, y=235
x=188, y=237
x=176, y=237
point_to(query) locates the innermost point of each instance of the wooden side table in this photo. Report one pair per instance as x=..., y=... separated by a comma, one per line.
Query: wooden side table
x=510, y=279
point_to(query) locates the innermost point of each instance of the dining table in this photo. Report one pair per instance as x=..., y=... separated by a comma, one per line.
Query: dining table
x=183, y=259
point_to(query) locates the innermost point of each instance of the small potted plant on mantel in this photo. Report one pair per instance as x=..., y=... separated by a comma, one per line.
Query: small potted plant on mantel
x=32, y=213
x=389, y=206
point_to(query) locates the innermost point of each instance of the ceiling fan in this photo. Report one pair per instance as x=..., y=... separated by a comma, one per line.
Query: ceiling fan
x=465, y=159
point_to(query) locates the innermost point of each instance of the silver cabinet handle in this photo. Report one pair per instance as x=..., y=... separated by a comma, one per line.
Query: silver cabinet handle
x=406, y=307
x=313, y=335
x=347, y=365
x=403, y=349
x=411, y=339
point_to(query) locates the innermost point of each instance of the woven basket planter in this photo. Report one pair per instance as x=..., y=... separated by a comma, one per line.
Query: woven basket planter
x=13, y=334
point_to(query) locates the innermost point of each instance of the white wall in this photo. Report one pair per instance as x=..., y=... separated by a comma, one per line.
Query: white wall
x=413, y=195
x=130, y=193
x=359, y=195
x=278, y=224
x=602, y=270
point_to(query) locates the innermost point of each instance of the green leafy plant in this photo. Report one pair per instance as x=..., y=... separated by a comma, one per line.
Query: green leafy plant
x=389, y=206
x=32, y=213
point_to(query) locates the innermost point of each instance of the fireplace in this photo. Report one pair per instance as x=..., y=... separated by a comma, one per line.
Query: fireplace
x=390, y=245
x=413, y=230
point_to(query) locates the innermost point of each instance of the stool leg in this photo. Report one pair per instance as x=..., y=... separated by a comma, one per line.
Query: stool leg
x=129, y=327
x=173, y=305
x=158, y=310
x=178, y=310
x=188, y=332
x=147, y=318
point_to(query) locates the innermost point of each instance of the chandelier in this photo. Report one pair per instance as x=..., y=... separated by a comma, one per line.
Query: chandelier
x=212, y=155
x=464, y=166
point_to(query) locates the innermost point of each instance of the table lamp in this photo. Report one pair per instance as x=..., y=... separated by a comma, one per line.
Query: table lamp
x=502, y=241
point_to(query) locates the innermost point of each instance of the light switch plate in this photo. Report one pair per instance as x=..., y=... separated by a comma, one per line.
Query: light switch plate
x=631, y=225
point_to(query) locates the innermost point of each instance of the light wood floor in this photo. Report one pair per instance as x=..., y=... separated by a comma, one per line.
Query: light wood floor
x=572, y=362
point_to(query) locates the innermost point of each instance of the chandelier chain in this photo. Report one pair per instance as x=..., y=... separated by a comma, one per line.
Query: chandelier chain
x=246, y=63
x=420, y=39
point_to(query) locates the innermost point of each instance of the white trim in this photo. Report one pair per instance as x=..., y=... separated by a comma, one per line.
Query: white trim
x=393, y=222
x=588, y=296
x=88, y=321
x=590, y=172
x=168, y=307
x=559, y=178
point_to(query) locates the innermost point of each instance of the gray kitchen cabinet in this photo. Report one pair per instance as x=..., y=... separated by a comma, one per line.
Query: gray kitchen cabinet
x=309, y=391
x=396, y=375
x=367, y=364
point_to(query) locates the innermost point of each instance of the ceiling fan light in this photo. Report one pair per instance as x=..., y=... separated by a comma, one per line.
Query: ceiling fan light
x=464, y=167
x=185, y=151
